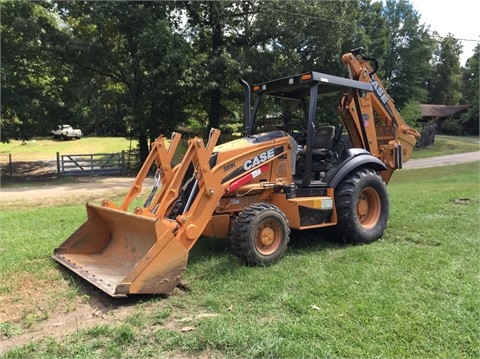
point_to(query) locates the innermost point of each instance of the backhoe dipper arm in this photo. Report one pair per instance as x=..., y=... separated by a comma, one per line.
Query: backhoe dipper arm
x=372, y=119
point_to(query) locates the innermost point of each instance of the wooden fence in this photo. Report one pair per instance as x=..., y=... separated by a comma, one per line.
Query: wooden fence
x=428, y=136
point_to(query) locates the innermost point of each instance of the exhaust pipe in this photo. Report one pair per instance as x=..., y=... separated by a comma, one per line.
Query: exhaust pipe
x=247, y=113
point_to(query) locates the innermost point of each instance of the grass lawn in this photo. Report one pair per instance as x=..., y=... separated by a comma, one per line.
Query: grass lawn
x=412, y=294
x=47, y=148
x=447, y=145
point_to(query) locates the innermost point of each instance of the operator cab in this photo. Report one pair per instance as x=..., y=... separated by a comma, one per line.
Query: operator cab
x=296, y=106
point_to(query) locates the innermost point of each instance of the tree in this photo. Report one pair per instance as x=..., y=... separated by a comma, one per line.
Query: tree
x=470, y=93
x=372, y=31
x=32, y=79
x=140, y=67
x=218, y=32
x=411, y=113
x=446, y=83
x=260, y=40
x=407, y=61
x=303, y=36
x=134, y=60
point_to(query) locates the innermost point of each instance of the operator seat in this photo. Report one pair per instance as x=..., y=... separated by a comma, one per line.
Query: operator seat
x=321, y=150
x=322, y=142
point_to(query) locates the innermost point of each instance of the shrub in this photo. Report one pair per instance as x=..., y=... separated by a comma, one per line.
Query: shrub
x=452, y=127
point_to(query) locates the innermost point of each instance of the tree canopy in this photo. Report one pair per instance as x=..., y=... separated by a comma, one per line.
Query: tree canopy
x=143, y=68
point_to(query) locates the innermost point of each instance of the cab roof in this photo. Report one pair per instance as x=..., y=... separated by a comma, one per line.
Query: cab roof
x=297, y=86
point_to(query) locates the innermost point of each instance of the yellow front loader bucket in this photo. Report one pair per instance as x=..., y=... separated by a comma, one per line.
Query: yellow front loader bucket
x=123, y=253
x=146, y=251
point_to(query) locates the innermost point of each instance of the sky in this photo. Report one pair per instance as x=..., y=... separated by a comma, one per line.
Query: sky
x=457, y=17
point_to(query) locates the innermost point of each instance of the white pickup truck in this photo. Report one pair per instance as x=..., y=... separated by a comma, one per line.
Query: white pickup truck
x=66, y=132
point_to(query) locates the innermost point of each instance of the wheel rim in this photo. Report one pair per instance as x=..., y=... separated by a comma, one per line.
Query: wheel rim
x=268, y=237
x=368, y=208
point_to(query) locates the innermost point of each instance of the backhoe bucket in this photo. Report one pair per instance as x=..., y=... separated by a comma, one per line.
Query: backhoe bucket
x=123, y=253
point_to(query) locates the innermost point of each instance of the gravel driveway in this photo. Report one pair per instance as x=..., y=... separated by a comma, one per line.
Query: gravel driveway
x=442, y=160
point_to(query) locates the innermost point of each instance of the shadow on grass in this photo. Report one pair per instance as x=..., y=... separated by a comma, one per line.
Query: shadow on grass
x=300, y=242
x=316, y=239
x=100, y=300
x=218, y=258
x=223, y=261
x=29, y=171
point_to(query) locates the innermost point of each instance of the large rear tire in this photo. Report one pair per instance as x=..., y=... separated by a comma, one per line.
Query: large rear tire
x=362, y=206
x=260, y=234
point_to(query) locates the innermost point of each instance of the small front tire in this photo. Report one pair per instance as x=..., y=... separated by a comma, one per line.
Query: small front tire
x=260, y=234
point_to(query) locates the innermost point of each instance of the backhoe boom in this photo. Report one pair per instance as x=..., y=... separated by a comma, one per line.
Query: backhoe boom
x=372, y=120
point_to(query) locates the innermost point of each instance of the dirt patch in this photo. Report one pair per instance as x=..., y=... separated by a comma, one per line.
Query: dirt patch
x=87, y=309
x=40, y=305
x=69, y=316
x=85, y=189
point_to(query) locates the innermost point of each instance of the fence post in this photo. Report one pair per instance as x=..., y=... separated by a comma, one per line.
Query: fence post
x=10, y=165
x=59, y=173
x=122, y=170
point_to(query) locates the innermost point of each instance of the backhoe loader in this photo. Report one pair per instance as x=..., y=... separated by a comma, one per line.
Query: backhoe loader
x=299, y=174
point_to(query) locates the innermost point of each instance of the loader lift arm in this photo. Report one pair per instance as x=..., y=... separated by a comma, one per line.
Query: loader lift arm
x=142, y=252
x=147, y=251
x=162, y=156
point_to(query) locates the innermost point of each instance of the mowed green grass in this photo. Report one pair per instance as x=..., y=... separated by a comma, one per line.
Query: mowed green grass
x=412, y=294
x=447, y=145
x=47, y=148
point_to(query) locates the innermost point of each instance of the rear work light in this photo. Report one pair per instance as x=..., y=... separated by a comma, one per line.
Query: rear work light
x=306, y=77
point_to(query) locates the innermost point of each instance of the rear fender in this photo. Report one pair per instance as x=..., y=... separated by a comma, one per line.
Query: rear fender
x=356, y=157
